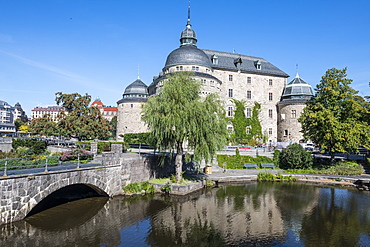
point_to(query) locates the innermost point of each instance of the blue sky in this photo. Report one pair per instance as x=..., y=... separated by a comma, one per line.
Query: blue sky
x=96, y=46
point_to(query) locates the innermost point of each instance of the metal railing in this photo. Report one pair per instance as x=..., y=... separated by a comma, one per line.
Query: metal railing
x=30, y=165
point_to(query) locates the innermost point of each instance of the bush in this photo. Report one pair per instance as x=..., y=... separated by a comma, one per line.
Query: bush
x=295, y=157
x=30, y=146
x=276, y=158
x=74, y=153
x=237, y=161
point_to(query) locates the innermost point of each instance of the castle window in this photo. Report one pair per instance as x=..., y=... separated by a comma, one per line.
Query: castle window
x=249, y=80
x=270, y=96
x=194, y=68
x=270, y=131
x=230, y=77
x=230, y=93
x=294, y=114
x=215, y=59
x=132, y=105
x=270, y=82
x=230, y=111
x=249, y=94
x=230, y=130
x=258, y=64
x=270, y=113
x=249, y=112
x=286, y=132
x=180, y=67
x=248, y=130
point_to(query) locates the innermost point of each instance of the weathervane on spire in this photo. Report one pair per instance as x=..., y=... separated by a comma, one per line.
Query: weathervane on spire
x=296, y=70
x=138, y=71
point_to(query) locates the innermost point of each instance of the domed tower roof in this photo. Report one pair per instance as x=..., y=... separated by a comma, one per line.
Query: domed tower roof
x=297, y=90
x=136, y=91
x=188, y=53
x=97, y=102
x=188, y=36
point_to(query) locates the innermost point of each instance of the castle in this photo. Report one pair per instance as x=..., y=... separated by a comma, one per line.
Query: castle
x=231, y=76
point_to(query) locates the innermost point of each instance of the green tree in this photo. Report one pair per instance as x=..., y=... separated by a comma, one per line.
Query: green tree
x=333, y=118
x=178, y=115
x=18, y=123
x=44, y=126
x=80, y=121
x=295, y=157
x=113, y=125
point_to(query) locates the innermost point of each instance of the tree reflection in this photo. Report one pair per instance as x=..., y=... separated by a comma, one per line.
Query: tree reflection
x=334, y=222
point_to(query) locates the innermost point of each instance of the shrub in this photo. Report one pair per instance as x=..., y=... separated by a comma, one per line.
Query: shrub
x=237, y=161
x=74, y=153
x=137, y=138
x=34, y=146
x=276, y=158
x=295, y=157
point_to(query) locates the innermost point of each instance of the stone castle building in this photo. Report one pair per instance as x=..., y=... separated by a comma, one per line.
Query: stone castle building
x=232, y=76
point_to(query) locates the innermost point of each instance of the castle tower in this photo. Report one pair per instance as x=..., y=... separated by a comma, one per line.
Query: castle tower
x=290, y=107
x=129, y=109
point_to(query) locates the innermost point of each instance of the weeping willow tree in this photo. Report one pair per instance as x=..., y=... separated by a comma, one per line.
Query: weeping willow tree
x=178, y=115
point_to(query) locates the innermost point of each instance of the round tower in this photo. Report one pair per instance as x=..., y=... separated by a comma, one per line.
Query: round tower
x=129, y=109
x=290, y=107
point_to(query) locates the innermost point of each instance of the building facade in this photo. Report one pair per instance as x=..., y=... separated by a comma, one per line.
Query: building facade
x=8, y=114
x=232, y=76
x=108, y=112
x=52, y=111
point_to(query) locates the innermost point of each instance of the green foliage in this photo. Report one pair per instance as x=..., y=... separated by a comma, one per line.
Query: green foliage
x=29, y=146
x=113, y=125
x=137, y=138
x=81, y=120
x=295, y=157
x=254, y=123
x=239, y=122
x=166, y=188
x=138, y=188
x=234, y=162
x=276, y=158
x=28, y=162
x=179, y=115
x=334, y=119
x=267, y=176
x=349, y=168
x=44, y=126
x=209, y=183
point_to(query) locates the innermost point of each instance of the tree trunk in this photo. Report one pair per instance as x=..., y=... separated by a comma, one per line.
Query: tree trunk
x=178, y=162
x=332, y=158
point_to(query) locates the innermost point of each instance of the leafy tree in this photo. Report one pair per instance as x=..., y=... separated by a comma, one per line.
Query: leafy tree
x=18, y=123
x=34, y=146
x=295, y=157
x=80, y=121
x=113, y=125
x=23, y=128
x=44, y=126
x=333, y=118
x=256, y=129
x=179, y=116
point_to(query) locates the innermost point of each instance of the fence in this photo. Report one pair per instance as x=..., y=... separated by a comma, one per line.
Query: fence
x=34, y=164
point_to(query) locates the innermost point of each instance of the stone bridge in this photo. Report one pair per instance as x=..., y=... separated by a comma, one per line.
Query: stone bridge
x=24, y=195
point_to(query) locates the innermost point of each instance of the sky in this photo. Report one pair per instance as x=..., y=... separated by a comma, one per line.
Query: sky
x=100, y=47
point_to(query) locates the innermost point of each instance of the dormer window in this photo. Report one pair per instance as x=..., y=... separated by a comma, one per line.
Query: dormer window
x=215, y=59
x=258, y=64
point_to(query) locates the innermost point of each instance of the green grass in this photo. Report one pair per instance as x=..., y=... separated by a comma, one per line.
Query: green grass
x=340, y=168
x=138, y=188
x=267, y=176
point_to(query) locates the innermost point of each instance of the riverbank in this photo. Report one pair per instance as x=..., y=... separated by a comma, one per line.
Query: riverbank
x=240, y=175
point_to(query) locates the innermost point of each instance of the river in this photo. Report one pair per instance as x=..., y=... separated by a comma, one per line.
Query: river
x=253, y=214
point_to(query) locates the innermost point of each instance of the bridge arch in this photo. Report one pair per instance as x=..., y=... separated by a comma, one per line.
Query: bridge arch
x=31, y=190
x=67, y=194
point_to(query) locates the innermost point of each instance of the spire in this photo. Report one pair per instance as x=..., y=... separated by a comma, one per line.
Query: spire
x=138, y=72
x=188, y=24
x=188, y=36
x=296, y=71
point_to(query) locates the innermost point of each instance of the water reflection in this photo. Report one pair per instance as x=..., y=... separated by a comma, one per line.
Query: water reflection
x=256, y=214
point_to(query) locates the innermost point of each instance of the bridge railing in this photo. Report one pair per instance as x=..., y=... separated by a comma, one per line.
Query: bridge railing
x=29, y=165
